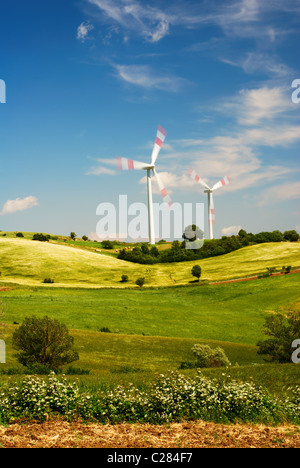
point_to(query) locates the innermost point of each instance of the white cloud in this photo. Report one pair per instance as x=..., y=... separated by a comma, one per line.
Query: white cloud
x=144, y=77
x=20, y=204
x=231, y=230
x=146, y=21
x=83, y=31
x=251, y=106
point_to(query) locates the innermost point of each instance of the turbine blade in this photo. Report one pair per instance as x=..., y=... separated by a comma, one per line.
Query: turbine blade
x=195, y=177
x=225, y=181
x=130, y=164
x=163, y=190
x=160, y=138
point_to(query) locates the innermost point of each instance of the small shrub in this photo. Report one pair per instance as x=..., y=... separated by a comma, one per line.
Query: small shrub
x=41, y=237
x=105, y=330
x=208, y=357
x=140, y=282
x=48, y=280
x=124, y=279
x=196, y=271
x=19, y=234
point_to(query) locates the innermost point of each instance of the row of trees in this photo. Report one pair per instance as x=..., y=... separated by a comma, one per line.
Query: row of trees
x=211, y=248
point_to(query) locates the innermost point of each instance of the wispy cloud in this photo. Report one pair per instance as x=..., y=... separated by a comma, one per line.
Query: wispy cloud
x=147, y=21
x=145, y=77
x=20, y=204
x=252, y=106
x=280, y=193
x=83, y=30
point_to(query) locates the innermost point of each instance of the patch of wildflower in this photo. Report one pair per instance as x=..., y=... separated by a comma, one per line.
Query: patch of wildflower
x=172, y=397
x=36, y=398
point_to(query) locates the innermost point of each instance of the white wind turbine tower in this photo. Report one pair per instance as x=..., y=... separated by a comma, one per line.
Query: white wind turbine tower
x=125, y=164
x=211, y=210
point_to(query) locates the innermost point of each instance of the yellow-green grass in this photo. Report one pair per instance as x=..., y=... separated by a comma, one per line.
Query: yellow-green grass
x=29, y=262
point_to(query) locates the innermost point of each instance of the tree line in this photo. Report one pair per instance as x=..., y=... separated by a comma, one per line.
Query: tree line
x=178, y=252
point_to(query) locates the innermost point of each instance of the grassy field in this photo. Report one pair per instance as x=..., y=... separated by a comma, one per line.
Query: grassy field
x=29, y=262
x=154, y=328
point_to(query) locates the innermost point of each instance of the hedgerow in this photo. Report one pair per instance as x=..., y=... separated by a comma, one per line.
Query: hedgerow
x=172, y=397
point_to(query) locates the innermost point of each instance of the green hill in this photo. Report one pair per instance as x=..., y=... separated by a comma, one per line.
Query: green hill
x=28, y=262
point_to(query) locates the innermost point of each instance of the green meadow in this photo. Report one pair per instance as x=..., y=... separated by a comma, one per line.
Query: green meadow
x=151, y=329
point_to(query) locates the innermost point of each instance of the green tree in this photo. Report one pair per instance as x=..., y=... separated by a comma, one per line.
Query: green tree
x=291, y=236
x=282, y=330
x=44, y=341
x=196, y=271
x=73, y=235
x=140, y=282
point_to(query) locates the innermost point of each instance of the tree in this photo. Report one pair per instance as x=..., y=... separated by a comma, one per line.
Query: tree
x=282, y=329
x=291, y=236
x=73, y=235
x=196, y=271
x=44, y=341
x=124, y=279
x=140, y=282
x=85, y=238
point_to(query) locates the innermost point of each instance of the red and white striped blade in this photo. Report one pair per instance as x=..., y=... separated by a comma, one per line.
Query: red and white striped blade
x=163, y=190
x=160, y=138
x=130, y=164
x=195, y=177
x=211, y=214
x=225, y=181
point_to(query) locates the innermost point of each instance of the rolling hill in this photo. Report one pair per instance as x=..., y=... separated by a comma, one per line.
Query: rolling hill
x=27, y=262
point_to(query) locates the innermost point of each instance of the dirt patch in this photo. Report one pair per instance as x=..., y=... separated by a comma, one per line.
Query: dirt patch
x=250, y=278
x=198, y=434
x=5, y=289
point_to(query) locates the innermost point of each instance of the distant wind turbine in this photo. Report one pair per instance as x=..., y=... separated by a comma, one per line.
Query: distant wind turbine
x=211, y=210
x=130, y=164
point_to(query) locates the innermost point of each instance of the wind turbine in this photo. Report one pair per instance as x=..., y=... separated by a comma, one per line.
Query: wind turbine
x=211, y=210
x=130, y=164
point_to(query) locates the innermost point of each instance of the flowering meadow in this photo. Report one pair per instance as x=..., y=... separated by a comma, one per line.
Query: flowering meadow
x=171, y=398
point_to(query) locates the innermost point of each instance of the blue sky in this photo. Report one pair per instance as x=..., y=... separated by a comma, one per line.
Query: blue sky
x=90, y=80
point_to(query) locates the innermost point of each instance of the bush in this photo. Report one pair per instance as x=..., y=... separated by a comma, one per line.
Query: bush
x=140, y=282
x=41, y=237
x=196, y=271
x=19, y=234
x=208, y=357
x=48, y=280
x=124, y=279
x=107, y=244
